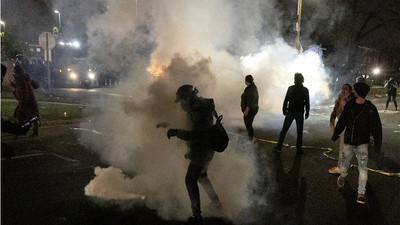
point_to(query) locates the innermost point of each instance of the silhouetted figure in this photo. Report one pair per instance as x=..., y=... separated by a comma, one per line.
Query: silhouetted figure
x=392, y=86
x=200, y=112
x=249, y=105
x=296, y=99
x=360, y=118
x=345, y=96
x=27, y=107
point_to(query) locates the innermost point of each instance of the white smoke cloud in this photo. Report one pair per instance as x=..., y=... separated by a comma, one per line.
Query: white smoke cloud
x=211, y=45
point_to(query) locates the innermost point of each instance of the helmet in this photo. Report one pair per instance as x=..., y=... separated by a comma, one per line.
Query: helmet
x=184, y=92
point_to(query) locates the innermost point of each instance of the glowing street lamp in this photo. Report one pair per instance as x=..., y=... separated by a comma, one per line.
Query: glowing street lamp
x=376, y=71
x=3, y=24
x=59, y=18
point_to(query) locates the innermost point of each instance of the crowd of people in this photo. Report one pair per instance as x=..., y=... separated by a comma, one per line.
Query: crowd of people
x=358, y=119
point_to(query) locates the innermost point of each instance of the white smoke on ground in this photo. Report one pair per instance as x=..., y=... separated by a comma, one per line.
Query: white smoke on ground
x=211, y=45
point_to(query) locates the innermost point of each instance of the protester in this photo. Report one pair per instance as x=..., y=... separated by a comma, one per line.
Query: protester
x=200, y=112
x=392, y=86
x=249, y=105
x=345, y=96
x=359, y=119
x=27, y=107
x=296, y=99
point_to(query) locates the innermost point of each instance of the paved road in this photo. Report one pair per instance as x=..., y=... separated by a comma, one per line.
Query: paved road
x=44, y=182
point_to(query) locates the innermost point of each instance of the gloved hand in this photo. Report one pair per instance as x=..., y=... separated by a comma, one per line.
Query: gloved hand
x=172, y=133
x=307, y=115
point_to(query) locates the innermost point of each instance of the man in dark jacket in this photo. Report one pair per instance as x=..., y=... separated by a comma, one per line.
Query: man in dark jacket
x=360, y=118
x=296, y=99
x=200, y=112
x=249, y=105
x=392, y=86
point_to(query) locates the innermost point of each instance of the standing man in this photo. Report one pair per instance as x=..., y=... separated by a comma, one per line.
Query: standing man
x=345, y=96
x=296, y=99
x=392, y=86
x=200, y=112
x=249, y=105
x=360, y=118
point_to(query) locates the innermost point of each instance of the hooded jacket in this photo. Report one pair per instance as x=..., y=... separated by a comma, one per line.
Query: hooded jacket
x=200, y=120
x=359, y=125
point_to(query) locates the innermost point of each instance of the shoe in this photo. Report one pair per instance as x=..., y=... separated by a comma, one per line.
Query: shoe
x=194, y=220
x=341, y=181
x=334, y=170
x=277, y=149
x=361, y=199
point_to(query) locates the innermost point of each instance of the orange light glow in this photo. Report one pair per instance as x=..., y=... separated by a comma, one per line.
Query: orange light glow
x=156, y=71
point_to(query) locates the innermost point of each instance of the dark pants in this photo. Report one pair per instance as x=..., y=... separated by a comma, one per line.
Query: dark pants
x=394, y=100
x=290, y=116
x=248, y=121
x=197, y=172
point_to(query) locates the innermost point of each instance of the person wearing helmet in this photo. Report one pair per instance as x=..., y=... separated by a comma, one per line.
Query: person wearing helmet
x=249, y=105
x=296, y=99
x=200, y=118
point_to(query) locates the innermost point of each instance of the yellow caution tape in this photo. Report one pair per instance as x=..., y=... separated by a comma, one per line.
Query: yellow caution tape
x=326, y=153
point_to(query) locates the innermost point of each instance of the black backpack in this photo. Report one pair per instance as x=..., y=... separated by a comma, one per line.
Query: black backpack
x=218, y=138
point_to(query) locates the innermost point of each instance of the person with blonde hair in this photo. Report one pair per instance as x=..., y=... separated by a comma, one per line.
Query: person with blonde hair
x=344, y=96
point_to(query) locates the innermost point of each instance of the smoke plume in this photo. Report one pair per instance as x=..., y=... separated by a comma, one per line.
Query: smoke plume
x=211, y=45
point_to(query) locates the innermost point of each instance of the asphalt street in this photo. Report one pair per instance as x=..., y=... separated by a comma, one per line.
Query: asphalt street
x=43, y=183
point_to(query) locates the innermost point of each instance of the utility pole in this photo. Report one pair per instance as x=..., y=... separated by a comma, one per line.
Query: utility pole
x=298, y=25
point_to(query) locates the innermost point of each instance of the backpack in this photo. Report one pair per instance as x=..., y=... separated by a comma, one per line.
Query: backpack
x=218, y=138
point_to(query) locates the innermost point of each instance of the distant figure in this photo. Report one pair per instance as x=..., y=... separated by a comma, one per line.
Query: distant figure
x=359, y=119
x=249, y=105
x=392, y=86
x=200, y=111
x=296, y=99
x=345, y=96
x=27, y=107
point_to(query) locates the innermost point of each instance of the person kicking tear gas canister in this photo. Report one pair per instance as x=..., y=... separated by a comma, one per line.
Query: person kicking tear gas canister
x=200, y=112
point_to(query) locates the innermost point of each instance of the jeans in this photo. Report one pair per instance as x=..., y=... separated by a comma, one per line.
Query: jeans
x=290, y=116
x=341, y=146
x=361, y=152
x=248, y=121
x=197, y=172
x=394, y=100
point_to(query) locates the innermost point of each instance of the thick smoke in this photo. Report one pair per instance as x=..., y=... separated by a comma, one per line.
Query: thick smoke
x=211, y=45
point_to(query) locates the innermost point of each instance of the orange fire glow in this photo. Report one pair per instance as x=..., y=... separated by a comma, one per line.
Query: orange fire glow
x=155, y=71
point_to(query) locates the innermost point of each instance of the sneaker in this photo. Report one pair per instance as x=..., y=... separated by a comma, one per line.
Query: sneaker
x=194, y=220
x=341, y=181
x=334, y=170
x=361, y=199
x=277, y=149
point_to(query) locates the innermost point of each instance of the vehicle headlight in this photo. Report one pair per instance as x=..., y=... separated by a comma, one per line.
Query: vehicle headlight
x=73, y=76
x=91, y=76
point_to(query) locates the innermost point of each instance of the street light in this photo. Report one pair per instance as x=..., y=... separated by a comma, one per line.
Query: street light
x=376, y=71
x=2, y=24
x=59, y=18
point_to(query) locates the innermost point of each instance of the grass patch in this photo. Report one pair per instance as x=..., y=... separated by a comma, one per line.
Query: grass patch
x=49, y=111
